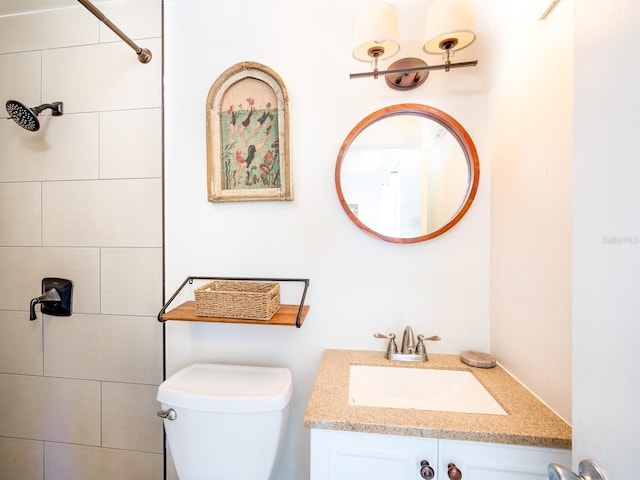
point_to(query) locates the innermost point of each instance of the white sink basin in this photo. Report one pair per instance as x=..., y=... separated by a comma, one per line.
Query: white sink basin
x=420, y=388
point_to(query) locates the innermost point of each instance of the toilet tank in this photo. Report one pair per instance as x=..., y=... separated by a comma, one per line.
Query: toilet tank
x=230, y=420
x=228, y=388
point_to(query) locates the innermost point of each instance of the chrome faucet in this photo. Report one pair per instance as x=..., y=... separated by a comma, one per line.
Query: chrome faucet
x=410, y=351
x=408, y=341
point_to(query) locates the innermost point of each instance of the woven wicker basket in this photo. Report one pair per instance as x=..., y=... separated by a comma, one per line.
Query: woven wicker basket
x=238, y=299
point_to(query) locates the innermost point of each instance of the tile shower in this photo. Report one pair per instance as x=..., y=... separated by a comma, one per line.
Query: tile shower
x=81, y=199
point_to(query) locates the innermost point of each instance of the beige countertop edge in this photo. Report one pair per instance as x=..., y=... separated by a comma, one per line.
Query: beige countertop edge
x=529, y=422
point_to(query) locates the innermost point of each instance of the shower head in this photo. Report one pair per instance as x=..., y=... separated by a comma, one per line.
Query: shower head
x=27, y=117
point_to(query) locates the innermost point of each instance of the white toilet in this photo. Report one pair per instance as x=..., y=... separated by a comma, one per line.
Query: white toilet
x=225, y=422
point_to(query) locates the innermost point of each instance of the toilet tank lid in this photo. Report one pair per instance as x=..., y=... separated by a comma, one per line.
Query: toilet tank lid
x=227, y=388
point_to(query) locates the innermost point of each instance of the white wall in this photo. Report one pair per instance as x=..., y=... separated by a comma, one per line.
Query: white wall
x=359, y=285
x=81, y=199
x=531, y=152
x=606, y=237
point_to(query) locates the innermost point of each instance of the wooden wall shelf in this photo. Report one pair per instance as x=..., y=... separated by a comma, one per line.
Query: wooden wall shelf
x=287, y=315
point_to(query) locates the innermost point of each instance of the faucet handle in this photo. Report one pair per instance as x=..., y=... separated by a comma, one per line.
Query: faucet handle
x=392, y=347
x=432, y=338
x=420, y=348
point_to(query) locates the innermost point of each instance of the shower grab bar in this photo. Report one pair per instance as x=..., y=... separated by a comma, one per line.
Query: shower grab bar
x=144, y=54
x=189, y=280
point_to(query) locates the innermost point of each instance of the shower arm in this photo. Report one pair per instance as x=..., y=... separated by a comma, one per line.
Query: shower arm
x=144, y=55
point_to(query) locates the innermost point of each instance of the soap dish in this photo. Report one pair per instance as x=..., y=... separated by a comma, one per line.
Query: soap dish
x=478, y=359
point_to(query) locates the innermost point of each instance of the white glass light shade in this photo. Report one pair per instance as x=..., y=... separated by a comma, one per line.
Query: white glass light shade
x=376, y=25
x=449, y=19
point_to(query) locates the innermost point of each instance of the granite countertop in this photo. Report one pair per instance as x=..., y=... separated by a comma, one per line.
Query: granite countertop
x=528, y=420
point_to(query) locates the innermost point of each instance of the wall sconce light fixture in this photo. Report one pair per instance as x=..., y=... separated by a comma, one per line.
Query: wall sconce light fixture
x=449, y=28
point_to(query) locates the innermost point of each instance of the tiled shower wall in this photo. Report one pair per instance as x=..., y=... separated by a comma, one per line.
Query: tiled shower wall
x=81, y=199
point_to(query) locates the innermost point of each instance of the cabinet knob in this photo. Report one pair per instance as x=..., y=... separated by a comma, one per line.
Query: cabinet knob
x=426, y=471
x=453, y=472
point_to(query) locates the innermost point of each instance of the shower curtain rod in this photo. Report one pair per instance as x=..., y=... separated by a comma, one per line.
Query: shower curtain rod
x=144, y=55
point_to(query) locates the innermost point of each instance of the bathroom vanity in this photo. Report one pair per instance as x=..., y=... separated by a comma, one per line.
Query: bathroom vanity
x=357, y=441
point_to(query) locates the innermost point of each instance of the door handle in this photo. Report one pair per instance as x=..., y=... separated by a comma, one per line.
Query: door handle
x=453, y=472
x=426, y=471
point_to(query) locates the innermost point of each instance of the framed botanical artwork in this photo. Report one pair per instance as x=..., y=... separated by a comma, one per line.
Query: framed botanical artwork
x=248, y=154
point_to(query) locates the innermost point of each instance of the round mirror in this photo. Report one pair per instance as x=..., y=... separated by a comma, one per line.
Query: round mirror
x=407, y=173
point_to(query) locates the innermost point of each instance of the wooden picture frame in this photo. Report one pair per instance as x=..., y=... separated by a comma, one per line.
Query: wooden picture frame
x=248, y=154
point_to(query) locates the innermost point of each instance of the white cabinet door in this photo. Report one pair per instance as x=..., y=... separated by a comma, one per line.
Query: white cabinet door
x=491, y=461
x=337, y=455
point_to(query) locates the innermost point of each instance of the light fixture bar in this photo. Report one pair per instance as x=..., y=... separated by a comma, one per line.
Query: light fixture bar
x=444, y=66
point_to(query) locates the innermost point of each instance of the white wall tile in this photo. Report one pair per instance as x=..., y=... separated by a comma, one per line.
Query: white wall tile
x=131, y=281
x=48, y=29
x=21, y=459
x=20, y=79
x=109, y=213
x=136, y=18
x=129, y=420
x=131, y=143
x=66, y=462
x=104, y=347
x=20, y=214
x=24, y=268
x=20, y=344
x=65, y=147
x=13, y=7
x=55, y=409
x=103, y=77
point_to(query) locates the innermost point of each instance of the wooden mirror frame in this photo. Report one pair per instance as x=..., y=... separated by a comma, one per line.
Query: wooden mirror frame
x=452, y=126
